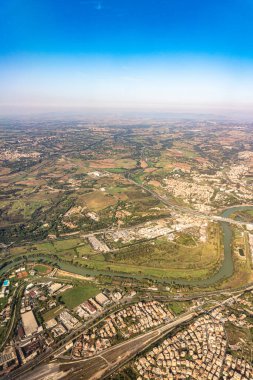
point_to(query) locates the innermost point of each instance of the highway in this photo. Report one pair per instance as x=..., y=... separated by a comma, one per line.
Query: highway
x=46, y=356
x=95, y=367
x=59, y=347
x=108, y=359
x=113, y=358
x=167, y=202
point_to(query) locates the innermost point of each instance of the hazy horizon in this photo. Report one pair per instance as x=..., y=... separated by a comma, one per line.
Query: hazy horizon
x=123, y=115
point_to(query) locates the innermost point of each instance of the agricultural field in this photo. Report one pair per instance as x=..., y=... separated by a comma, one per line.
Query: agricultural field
x=66, y=181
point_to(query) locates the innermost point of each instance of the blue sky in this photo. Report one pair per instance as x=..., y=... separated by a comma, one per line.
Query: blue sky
x=114, y=53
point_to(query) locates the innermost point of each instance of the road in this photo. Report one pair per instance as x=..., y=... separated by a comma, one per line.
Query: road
x=168, y=203
x=96, y=367
x=59, y=347
x=46, y=356
x=108, y=360
x=188, y=210
x=116, y=228
x=15, y=311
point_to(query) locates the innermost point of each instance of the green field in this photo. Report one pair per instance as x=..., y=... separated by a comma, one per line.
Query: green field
x=145, y=270
x=52, y=313
x=116, y=170
x=178, y=307
x=161, y=258
x=60, y=246
x=26, y=209
x=3, y=303
x=18, y=250
x=162, y=254
x=85, y=250
x=40, y=268
x=66, y=244
x=75, y=296
x=46, y=247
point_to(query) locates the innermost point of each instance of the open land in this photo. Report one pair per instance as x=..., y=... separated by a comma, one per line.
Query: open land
x=126, y=249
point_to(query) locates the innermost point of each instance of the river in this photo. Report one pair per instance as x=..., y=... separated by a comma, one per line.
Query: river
x=225, y=271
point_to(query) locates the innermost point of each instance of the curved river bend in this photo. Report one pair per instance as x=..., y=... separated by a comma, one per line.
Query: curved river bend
x=227, y=267
x=226, y=270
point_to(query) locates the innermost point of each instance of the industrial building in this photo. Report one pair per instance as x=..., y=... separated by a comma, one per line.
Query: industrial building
x=29, y=322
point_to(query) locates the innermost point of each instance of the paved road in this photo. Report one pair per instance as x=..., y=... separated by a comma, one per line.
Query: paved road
x=95, y=367
x=47, y=355
x=15, y=311
x=188, y=210
x=110, y=360
x=168, y=203
x=57, y=350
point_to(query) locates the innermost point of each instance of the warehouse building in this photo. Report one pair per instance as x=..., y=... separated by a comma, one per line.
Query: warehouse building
x=29, y=323
x=102, y=299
